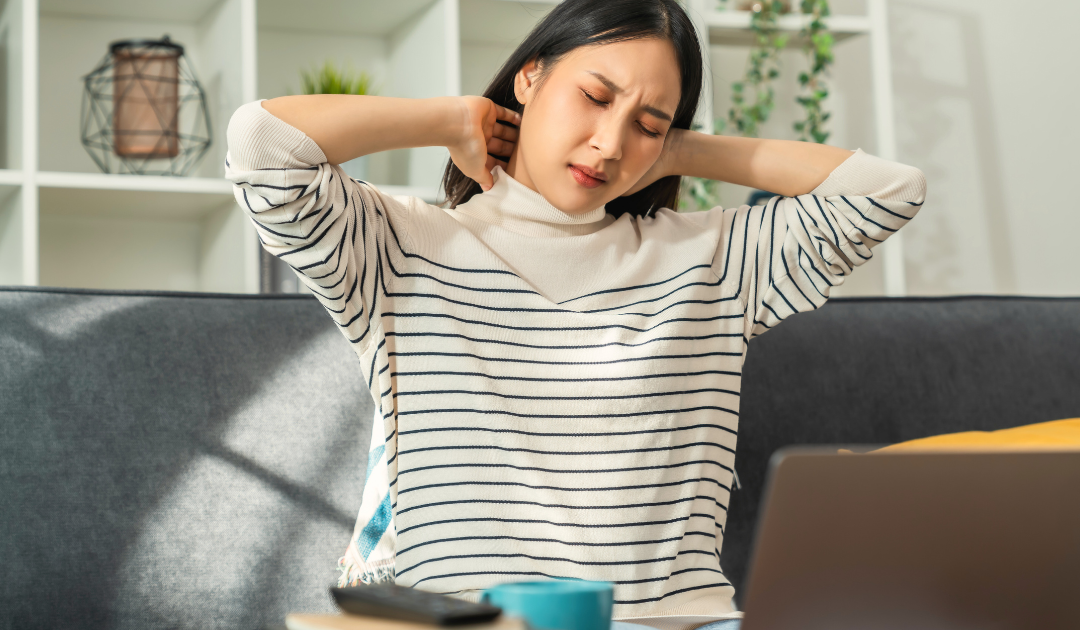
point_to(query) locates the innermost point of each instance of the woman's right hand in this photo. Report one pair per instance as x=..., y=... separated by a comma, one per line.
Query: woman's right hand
x=481, y=135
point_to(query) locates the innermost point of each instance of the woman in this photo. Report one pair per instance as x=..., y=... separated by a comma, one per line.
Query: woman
x=557, y=355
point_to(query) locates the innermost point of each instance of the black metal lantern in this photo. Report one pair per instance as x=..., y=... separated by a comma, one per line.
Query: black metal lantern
x=143, y=110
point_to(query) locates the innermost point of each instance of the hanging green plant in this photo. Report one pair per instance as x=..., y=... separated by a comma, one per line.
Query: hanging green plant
x=695, y=193
x=753, y=98
x=819, y=53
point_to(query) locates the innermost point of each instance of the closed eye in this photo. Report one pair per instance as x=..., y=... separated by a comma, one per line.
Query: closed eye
x=593, y=98
x=644, y=129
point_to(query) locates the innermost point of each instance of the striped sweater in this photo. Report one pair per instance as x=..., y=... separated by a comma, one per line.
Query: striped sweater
x=558, y=395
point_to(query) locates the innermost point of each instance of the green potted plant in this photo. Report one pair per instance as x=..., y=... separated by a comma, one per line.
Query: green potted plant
x=329, y=79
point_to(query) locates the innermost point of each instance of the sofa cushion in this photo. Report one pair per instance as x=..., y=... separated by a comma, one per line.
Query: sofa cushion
x=1052, y=436
x=174, y=460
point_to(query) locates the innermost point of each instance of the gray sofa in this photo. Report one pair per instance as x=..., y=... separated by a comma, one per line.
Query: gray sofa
x=177, y=460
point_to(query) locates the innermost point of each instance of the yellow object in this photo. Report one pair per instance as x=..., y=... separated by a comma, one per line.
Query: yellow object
x=1055, y=435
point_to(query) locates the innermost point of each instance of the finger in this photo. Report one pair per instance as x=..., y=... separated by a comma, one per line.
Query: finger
x=505, y=132
x=500, y=147
x=508, y=115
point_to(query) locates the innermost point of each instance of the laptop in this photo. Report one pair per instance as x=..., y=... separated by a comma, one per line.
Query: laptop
x=926, y=541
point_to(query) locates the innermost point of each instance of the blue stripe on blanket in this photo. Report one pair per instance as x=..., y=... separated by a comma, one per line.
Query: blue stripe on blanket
x=373, y=457
x=375, y=528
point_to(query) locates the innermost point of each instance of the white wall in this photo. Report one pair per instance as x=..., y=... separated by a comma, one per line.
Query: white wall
x=985, y=105
x=987, y=93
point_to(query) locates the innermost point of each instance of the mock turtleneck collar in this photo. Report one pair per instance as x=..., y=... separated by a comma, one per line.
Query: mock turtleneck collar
x=516, y=207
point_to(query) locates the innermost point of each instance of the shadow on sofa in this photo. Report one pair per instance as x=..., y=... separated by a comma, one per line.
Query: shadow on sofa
x=173, y=460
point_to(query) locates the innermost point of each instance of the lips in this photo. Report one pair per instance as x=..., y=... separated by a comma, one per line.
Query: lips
x=587, y=177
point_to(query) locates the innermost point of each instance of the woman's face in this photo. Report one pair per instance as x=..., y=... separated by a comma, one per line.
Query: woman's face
x=597, y=123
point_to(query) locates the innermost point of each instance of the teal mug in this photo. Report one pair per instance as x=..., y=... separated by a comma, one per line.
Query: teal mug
x=556, y=604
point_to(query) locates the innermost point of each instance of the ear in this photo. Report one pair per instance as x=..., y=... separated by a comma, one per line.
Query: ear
x=524, y=81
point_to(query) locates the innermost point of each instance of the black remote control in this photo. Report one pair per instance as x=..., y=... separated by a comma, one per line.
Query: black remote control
x=409, y=604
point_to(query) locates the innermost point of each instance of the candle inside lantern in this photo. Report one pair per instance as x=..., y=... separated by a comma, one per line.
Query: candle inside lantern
x=146, y=103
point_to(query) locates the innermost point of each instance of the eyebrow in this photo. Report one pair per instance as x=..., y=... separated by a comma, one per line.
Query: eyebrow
x=609, y=84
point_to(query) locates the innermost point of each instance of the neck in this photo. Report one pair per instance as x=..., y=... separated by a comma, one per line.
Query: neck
x=518, y=171
x=512, y=205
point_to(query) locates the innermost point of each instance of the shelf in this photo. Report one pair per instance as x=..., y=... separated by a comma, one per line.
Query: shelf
x=189, y=11
x=149, y=197
x=732, y=28
x=149, y=183
x=340, y=17
x=131, y=196
x=74, y=37
x=131, y=204
x=116, y=252
x=10, y=177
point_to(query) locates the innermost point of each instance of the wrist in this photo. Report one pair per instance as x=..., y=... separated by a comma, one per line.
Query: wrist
x=447, y=119
x=676, y=149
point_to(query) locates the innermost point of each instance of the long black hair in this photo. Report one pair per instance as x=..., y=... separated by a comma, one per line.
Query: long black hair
x=575, y=23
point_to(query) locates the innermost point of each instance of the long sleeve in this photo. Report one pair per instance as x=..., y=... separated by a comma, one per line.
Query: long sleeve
x=330, y=229
x=794, y=250
x=333, y=231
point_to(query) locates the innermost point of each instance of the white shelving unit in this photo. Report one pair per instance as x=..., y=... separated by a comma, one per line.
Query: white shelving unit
x=732, y=28
x=63, y=223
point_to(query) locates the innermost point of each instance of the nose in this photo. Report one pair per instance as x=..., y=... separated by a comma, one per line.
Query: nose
x=608, y=139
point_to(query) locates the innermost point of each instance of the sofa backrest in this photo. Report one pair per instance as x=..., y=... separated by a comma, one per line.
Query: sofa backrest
x=174, y=460
x=884, y=370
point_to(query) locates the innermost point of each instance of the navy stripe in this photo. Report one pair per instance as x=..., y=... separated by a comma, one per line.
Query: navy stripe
x=552, y=523
x=670, y=593
x=571, y=471
x=628, y=543
x=572, y=347
x=563, y=328
x=864, y=217
x=523, y=397
x=564, y=506
x=561, y=577
x=509, y=449
x=534, y=573
x=569, y=380
x=532, y=557
x=899, y=216
x=640, y=286
x=537, y=362
x=416, y=412
x=518, y=484
x=601, y=434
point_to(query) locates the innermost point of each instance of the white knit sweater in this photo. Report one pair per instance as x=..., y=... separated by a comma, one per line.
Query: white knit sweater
x=559, y=394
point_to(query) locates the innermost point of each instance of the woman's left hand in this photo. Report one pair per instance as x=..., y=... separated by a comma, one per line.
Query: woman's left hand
x=664, y=165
